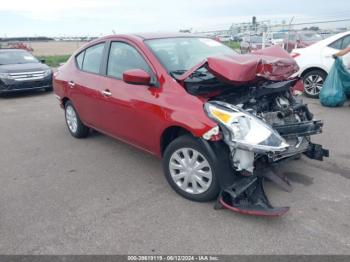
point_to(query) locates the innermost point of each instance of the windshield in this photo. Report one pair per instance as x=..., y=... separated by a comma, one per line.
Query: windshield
x=310, y=37
x=9, y=57
x=181, y=54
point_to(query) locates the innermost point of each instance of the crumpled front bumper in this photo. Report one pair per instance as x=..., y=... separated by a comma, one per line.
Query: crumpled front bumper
x=246, y=194
x=297, y=136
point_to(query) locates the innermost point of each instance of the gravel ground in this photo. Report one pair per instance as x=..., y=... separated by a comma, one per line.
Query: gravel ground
x=62, y=195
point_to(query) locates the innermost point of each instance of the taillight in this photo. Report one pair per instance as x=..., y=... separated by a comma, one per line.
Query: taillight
x=294, y=55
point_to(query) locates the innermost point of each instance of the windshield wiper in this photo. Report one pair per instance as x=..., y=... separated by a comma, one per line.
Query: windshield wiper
x=197, y=73
x=177, y=72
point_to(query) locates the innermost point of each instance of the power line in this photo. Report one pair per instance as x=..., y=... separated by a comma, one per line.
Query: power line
x=323, y=22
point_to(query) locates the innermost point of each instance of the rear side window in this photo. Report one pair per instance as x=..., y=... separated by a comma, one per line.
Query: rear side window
x=92, y=58
x=80, y=59
x=341, y=43
x=123, y=57
x=337, y=44
x=346, y=42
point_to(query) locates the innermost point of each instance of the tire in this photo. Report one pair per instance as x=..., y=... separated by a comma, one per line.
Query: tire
x=49, y=89
x=313, y=82
x=74, y=124
x=206, y=187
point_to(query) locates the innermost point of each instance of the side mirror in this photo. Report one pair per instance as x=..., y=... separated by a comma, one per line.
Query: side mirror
x=42, y=61
x=137, y=77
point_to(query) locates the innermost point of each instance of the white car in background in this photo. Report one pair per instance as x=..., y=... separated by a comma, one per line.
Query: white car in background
x=315, y=61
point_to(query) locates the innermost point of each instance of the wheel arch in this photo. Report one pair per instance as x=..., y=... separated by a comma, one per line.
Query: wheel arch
x=171, y=133
x=64, y=100
x=307, y=70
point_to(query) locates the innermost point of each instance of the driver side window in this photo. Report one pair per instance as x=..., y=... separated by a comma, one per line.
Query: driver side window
x=123, y=57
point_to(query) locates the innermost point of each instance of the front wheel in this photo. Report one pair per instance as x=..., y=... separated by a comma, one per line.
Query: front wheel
x=313, y=82
x=190, y=170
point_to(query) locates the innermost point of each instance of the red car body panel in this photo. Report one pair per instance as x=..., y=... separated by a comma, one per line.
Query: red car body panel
x=272, y=63
x=140, y=114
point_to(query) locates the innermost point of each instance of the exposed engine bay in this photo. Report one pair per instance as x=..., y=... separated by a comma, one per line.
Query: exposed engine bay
x=260, y=121
x=273, y=104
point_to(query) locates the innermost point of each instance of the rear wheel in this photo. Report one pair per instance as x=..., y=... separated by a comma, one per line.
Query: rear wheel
x=190, y=170
x=313, y=82
x=74, y=124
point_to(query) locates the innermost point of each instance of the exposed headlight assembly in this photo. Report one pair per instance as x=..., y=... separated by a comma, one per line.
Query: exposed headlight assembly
x=245, y=131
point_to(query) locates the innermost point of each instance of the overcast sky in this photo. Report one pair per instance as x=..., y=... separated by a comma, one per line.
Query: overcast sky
x=101, y=17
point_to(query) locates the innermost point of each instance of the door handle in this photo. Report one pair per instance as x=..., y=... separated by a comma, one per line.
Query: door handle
x=71, y=84
x=106, y=93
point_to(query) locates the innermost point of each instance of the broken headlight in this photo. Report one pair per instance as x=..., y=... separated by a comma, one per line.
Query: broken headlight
x=245, y=131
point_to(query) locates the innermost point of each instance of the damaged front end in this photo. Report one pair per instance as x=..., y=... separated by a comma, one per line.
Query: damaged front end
x=260, y=135
x=259, y=120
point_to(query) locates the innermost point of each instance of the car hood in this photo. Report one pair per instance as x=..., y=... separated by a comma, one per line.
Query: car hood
x=272, y=63
x=15, y=68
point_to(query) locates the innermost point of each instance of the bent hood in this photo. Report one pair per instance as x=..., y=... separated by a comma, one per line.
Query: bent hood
x=272, y=63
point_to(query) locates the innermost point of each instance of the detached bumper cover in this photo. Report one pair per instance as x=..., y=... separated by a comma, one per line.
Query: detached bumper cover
x=247, y=196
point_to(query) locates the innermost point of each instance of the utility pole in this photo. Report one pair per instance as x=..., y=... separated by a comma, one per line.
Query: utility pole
x=289, y=29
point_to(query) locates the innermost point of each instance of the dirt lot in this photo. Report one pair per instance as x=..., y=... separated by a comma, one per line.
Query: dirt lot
x=61, y=195
x=54, y=47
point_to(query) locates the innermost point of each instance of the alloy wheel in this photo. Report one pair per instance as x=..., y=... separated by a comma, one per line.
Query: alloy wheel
x=71, y=118
x=313, y=84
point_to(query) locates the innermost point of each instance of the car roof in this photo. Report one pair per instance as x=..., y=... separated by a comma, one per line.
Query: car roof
x=326, y=41
x=149, y=36
x=331, y=39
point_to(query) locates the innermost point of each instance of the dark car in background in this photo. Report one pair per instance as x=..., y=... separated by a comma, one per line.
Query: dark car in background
x=300, y=39
x=20, y=71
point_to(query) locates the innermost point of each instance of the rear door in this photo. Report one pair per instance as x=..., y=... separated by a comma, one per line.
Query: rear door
x=333, y=48
x=85, y=84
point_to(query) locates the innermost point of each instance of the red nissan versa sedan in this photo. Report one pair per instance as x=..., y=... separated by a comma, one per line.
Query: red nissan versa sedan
x=219, y=120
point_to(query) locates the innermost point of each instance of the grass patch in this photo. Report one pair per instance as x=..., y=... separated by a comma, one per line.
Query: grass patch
x=54, y=60
x=233, y=44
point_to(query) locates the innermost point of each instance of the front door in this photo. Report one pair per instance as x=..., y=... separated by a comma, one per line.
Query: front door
x=127, y=109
